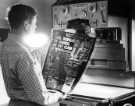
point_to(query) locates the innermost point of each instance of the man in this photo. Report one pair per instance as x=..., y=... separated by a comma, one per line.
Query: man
x=22, y=72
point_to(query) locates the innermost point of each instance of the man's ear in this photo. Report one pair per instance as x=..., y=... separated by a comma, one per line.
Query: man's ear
x=26, y=25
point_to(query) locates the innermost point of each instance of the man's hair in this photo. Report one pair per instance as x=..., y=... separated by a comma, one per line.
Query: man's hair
x=18, y=14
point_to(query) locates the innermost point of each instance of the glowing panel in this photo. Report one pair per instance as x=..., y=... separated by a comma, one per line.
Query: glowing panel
x=100, y=91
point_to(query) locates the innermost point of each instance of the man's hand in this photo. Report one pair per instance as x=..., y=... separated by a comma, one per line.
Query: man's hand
x=59, y=94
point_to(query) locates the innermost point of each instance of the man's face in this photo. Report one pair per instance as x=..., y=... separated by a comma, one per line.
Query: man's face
x=33, y=24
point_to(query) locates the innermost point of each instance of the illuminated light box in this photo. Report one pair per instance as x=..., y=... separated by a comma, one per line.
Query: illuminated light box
x=100, y=91
x=94, y=94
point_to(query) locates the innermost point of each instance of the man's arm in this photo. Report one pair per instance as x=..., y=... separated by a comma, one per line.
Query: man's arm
x=30, y=75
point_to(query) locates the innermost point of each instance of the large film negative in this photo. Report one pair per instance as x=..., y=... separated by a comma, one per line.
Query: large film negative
x=67, y=58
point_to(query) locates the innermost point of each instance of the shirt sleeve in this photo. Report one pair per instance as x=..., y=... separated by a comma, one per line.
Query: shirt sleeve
x=30, y=75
